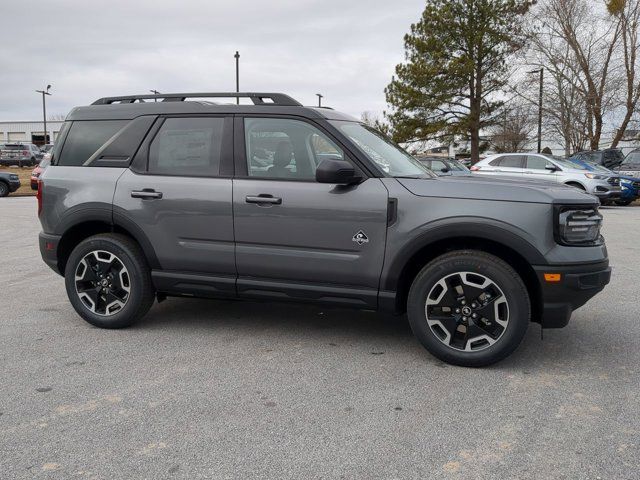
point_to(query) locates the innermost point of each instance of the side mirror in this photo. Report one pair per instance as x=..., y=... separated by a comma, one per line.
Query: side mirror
x=444, y=169
x=551, y=168
x=336, y=171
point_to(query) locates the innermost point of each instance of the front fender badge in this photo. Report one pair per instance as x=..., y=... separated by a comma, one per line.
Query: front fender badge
x=360, y=238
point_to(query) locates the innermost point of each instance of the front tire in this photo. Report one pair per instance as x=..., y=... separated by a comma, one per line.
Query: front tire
x=623, y=203
x=108, y=281
x=469, y=308
x=4, y=189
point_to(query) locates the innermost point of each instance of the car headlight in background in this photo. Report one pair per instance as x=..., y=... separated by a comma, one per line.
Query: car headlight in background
x=578, y=226
x=14, y=177
x=593, y=176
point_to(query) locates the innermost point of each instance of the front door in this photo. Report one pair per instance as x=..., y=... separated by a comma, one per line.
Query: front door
x=296, y=238
x=181, y=200
x=537, y=169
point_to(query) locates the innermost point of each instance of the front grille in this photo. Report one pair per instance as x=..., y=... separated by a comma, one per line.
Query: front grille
x=615, y=181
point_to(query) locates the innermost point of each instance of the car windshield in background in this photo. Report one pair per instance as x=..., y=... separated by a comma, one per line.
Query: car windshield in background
x=386, y=154
x=16, y=147
x=456, y=165
x=632, y=159
x=567, y=163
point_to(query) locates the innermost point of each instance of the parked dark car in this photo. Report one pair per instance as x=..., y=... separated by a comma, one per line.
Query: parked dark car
x=443, y=166
x=20, y=154
x=631, y=165
x=146, y=199
x=610, y=157
x=9, y=183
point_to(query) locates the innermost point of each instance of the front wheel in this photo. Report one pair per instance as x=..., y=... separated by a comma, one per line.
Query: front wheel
x=4, y=189
x=108, y=281
x=469, y=308
x=623, y=203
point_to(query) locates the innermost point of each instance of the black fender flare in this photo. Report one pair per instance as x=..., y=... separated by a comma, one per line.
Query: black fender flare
x=485, y=229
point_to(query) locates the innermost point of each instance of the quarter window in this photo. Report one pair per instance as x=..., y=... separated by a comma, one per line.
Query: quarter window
x=285, y=148
x=85, y=138
x=187, y=147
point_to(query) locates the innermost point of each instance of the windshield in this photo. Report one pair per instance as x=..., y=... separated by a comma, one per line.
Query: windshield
x=456, y=165
x=632, y=159
x=387, y=155
x=567, y=163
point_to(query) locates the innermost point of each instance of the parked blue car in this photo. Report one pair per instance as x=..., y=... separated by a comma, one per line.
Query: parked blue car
x=630, y=185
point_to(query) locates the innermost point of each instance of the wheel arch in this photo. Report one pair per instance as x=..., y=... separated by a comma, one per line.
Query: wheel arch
x=576, y=183
x=515, y=251
x=82, y=230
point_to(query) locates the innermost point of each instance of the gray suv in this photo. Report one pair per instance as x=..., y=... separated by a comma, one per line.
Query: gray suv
x=157, y=195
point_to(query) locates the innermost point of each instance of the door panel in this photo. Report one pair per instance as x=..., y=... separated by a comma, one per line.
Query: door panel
x=535, y=169
x=190, y=227
x=310, y=236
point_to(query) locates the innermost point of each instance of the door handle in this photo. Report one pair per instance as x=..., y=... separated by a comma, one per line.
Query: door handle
x=146, y=194
x=263, y=198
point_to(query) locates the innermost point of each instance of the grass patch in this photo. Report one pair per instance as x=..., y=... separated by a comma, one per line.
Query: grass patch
x=25, y=180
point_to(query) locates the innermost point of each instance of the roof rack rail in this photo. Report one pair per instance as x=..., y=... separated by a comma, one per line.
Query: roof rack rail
x=256, y=98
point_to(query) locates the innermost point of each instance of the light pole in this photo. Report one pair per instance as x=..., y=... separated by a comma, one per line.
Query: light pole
x=237, y=57
x=44, y=110
x=155, y=92
x=541, y=72
x=320, y=97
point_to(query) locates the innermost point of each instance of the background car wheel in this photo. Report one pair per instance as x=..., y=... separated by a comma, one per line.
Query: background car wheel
x=108, y=281
x=576, y=185
x=469, y=308
x=4, y=189
x=623, y=203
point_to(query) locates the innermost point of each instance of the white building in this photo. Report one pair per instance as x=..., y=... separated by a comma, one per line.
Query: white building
x=29, y=131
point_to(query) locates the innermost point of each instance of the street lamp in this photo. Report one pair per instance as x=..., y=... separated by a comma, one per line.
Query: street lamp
x=541, y=72
x=237, y=57
x=44, y=110
x=320, y=97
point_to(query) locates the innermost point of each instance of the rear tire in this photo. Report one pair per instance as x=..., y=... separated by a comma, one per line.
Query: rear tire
x=4, y=189
x=108, y=281
x=469, y=308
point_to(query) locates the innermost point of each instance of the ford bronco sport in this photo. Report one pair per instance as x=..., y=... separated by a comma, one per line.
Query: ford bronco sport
x=174, y=195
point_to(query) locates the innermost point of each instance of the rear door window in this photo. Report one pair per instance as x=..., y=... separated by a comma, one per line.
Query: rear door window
x=187, y=147
x=512, y=161
x=85, y=138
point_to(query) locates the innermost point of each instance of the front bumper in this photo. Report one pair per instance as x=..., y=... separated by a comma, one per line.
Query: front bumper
x=607, y=193
x=49, y=250
x=578, y=284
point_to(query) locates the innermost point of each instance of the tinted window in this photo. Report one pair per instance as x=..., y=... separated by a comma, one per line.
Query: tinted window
x=283, y=148
x=537, y=163
x=512, y=161
x=85, y=138
x=187, y=146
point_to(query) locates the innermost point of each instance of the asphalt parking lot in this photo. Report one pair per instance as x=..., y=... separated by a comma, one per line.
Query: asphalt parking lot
x=212, y=389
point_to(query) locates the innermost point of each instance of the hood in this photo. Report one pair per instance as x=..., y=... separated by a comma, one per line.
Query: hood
x=485, y=187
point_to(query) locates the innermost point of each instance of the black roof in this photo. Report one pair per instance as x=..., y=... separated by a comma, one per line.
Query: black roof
x=132, y=106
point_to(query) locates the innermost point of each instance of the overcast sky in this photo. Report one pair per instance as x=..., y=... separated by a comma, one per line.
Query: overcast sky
x=85, y=49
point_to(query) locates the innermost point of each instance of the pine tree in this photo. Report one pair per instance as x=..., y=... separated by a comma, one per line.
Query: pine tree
x=455, y=63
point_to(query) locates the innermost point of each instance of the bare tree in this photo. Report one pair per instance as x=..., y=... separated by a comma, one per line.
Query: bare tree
x=578, y=51
x=513, y=128
x=627, y=14
x=56, y=117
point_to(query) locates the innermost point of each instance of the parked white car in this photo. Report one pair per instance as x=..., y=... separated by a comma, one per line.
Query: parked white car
x=539, y=166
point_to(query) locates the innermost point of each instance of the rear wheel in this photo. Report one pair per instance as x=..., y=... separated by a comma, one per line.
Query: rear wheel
x=469, y=308
x=4, y=189
x=108, y=281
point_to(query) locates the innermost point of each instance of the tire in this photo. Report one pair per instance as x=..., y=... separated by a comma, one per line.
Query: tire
x=502, y=308
x=623, y=203
x=119, y=263
x=4, y=189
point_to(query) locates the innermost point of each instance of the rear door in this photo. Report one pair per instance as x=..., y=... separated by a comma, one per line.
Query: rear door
x=178, y=192
x=296, y=238
x=510, y=165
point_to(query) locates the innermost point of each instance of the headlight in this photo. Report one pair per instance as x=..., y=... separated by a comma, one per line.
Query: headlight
x=14, y=177
x=578, y=226
x=593, y=176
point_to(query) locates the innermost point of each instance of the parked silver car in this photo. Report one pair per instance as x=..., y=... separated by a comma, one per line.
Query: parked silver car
x=537, y=166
